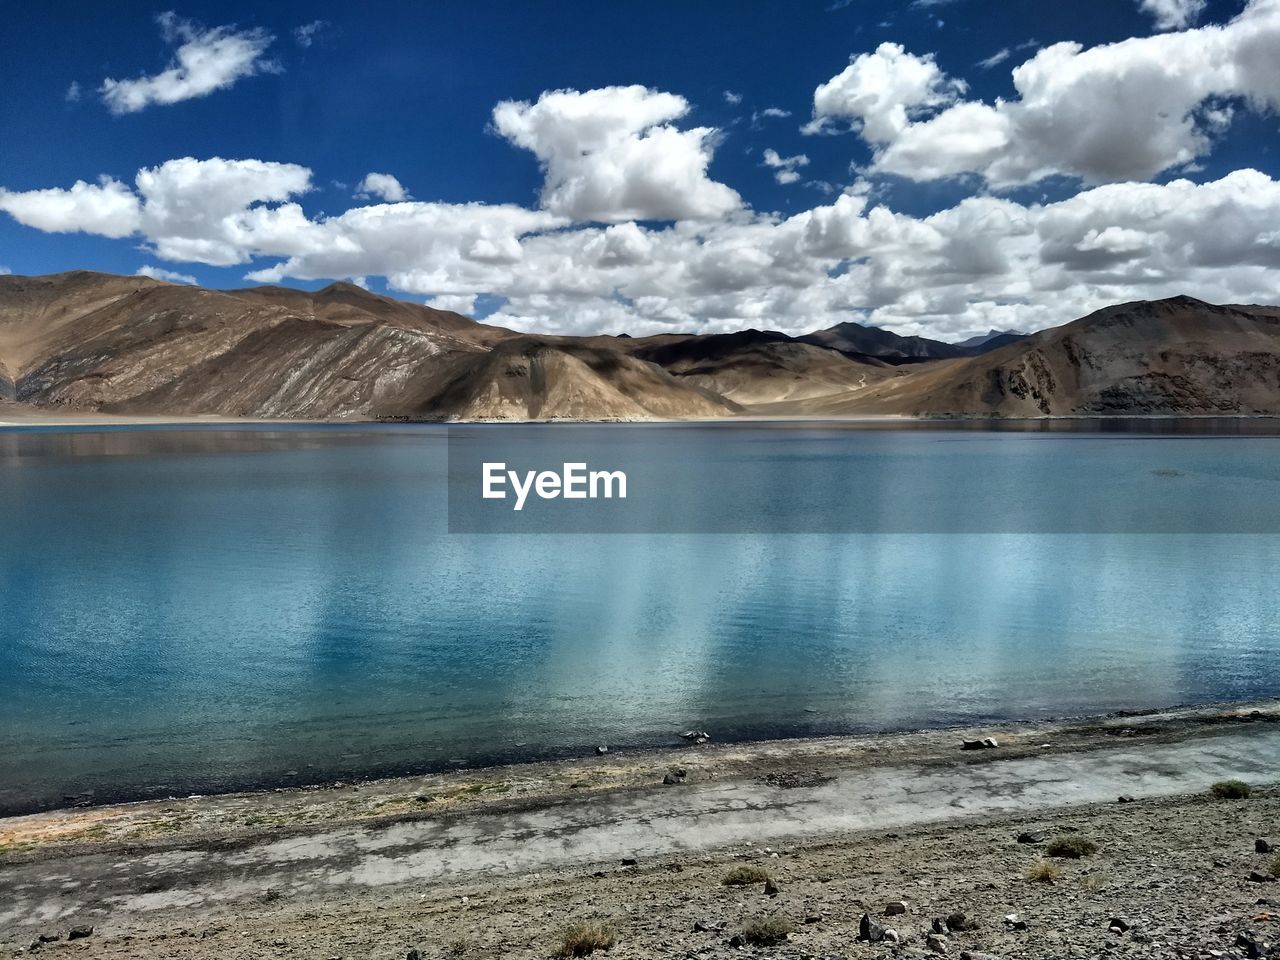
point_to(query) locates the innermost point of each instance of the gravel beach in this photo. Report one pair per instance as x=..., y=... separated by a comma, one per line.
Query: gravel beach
x=953, y=851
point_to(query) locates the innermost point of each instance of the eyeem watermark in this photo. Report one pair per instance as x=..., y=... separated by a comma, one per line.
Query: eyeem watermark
x=573, y=482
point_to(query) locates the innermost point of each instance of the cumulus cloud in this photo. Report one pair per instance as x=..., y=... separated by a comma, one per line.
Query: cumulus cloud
x=882, y=92
x=1116, y=112
x=383, y=186
x=613, y=154
x=4, y=271
x=1173, y=14
x=731, y=98
x=985, y=262
x=216, y=211
x=160, y=273
x=108, y=208
x=633, y=235
x=205, y=60
x=73, y=93
x=785, y=168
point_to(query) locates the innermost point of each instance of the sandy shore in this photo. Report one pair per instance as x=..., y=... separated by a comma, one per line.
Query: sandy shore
x=496, y=862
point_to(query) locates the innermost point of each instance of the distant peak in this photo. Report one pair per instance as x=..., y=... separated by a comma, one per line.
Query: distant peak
x=1181, y=300
x=347, y=288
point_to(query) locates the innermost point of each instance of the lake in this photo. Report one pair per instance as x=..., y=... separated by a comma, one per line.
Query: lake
x=212, y=608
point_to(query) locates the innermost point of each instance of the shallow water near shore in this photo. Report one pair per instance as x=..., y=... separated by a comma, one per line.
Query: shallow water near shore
x=190, y=610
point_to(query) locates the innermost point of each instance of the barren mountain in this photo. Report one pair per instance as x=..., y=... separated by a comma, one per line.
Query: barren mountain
x=94, y=342
x=349, y=305
x=854, y=338
x=532, y=378
x=1175, y=356
x=754, y=367
x=130, y=345
x=133, y=345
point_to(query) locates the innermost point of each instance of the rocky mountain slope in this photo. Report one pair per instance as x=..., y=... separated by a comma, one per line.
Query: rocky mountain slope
x=1175, y=356
x=754, y=367
x=529, y=378
x=991, y=340
x=80, y=342
x=854, y=338
x=93, y=342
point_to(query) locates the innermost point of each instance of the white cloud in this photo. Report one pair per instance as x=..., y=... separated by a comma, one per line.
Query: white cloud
x=4, y=271
x=784, y=167
x=768, y=113
x=464, y=304
x=206, y=60
x=108, y=208
x=612, y=154
x=428, y=248
x=160, y=273
x=73, y=92
x=997, y=58
x=1173, y=14
x=593, y=259
x=1116, y=112
x=985, y=262
x=882, y=92
x=305, y=35
x=731, y=98
x=383, y=186
x=214, y=211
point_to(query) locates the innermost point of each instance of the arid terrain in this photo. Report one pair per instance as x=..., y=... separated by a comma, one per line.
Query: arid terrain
x=1073, y=839
x=90, y=344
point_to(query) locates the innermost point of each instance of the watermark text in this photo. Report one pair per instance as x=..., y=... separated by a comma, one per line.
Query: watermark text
x=573, y=482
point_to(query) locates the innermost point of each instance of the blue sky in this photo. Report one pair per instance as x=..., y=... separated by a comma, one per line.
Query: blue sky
x=410, y=90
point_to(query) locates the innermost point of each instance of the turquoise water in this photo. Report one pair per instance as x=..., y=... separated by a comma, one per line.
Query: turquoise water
x=192, y=610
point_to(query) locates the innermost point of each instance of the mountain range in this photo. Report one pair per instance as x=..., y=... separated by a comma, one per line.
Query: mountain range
x=91, y=342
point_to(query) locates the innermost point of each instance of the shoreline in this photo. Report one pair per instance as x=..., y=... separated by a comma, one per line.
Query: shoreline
x=533, y=784
x=832, y=747
x=473, y=865
x=39, y=418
